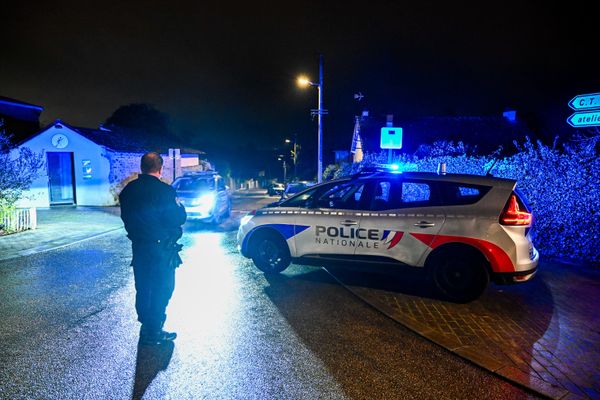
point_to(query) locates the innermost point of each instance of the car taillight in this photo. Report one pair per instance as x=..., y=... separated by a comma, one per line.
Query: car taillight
x=512, y=214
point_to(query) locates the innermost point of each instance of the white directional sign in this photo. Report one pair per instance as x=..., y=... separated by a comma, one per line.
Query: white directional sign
x=585, y=101
x=391, y=138
x=584, y=119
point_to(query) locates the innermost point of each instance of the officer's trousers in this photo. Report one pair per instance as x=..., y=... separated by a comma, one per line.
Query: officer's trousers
x=154, y=285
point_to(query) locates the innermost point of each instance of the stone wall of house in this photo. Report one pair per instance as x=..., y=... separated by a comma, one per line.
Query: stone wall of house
x=124, y=167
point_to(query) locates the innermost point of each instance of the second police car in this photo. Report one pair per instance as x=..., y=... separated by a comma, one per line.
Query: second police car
x=462, y=229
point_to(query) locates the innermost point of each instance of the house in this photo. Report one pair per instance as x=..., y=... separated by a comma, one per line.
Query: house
x=483, y=133
x=18, y=118
x=89, y=167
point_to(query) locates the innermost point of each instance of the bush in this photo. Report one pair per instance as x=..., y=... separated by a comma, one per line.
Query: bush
x=562, y=186
x=17, y=171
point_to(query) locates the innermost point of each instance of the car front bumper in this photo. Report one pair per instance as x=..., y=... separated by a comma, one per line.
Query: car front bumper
x=199, y=213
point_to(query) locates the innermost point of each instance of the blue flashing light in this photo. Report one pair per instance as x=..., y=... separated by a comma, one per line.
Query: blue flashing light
x=394, y=168
x=397, y=168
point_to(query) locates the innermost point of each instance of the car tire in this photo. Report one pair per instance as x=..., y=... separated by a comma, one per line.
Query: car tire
x=461, y=277
x=218, y=219
x=228, y=211
x=270, y=253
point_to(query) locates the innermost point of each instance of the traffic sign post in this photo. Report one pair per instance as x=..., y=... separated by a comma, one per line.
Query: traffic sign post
x=585, y=101
x=584, y=119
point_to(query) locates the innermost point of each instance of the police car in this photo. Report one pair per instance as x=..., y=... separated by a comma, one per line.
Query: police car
x=463, y=230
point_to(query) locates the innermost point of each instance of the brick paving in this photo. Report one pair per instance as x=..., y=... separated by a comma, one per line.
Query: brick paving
x=543, y=334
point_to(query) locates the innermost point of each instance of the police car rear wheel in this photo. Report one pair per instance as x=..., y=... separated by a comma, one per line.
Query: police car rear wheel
x=460, y=277
x=271, y=254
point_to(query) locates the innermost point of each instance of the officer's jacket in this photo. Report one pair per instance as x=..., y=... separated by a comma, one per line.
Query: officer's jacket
x=149, y=211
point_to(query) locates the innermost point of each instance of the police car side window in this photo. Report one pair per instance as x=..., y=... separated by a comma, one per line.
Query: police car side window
x=415, y=192
x=386, y=195
x=391, y=194
x=462, y=194
x=345, y=196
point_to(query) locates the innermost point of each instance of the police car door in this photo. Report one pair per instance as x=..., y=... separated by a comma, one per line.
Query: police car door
x=402, y=213
x=331, y=222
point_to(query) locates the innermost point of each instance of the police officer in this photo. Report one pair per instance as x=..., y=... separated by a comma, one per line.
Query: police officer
x=153, y=217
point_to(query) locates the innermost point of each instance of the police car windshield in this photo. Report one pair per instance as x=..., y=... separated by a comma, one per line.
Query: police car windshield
x=195, y=185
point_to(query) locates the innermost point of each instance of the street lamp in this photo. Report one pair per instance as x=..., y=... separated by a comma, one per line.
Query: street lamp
x=303, y=81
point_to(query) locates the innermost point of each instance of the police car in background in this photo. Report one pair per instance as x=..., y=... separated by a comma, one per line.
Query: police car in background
x=204, y=195
x=463, y=230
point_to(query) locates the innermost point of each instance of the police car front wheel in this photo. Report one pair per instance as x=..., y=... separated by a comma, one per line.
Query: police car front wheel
x=271, y=253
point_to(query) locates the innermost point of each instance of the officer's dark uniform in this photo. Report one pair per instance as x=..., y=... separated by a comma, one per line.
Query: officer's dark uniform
x=153, y=222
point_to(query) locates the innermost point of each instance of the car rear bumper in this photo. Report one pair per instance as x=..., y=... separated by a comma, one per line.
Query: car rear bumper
x=506, y=278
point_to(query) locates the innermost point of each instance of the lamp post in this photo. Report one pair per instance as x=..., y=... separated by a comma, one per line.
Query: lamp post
x=281, y=158
x=294, y=154
x=303, y=81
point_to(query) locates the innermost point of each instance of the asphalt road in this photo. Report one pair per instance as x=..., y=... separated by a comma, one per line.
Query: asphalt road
x=69, y=332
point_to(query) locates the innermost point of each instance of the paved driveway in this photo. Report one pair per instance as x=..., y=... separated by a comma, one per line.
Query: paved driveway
x=543, y=334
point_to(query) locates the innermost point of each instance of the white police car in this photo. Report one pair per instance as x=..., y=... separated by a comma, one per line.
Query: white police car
x=462, y=229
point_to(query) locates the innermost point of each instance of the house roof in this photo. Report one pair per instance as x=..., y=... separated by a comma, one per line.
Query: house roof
x=110, y=139
x=19, y=109
x=19, y=103
x=118, y=141
x=487, y=133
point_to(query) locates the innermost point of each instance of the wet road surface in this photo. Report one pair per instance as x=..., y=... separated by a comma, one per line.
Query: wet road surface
x=69, y=332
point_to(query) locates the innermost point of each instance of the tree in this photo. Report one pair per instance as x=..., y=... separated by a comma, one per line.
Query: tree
x=17, y=171
x=142, y=122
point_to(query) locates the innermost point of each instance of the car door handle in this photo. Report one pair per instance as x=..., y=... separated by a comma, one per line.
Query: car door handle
x=348, y=222
x=424, y=224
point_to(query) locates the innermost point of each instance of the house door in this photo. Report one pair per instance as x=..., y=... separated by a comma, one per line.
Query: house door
x=61, y=178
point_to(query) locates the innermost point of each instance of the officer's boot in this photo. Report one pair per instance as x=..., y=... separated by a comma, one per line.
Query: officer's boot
x=155, y=335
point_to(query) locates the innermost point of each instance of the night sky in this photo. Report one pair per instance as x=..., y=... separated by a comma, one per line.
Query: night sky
x=228, y=70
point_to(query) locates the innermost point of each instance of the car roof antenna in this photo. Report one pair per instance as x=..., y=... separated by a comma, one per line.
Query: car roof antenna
x=495, y=155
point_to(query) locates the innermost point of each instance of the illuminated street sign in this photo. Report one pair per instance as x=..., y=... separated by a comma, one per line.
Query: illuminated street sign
x=584, y=119
x=585, y=101
x=391, y=138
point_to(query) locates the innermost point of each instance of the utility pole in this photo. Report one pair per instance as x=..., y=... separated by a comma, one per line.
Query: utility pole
x=320, y=122
x=303, y=81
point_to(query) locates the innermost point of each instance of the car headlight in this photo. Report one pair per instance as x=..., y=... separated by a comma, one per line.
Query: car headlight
x=206, y=201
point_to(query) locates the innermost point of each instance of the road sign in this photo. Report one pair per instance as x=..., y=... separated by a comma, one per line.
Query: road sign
x=391, y=138
x=585, y=101
x=584, y=119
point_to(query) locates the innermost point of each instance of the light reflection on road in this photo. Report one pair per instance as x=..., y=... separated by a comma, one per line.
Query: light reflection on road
x=205, y=302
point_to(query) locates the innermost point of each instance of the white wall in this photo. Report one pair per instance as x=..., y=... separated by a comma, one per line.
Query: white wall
x=89, y=192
